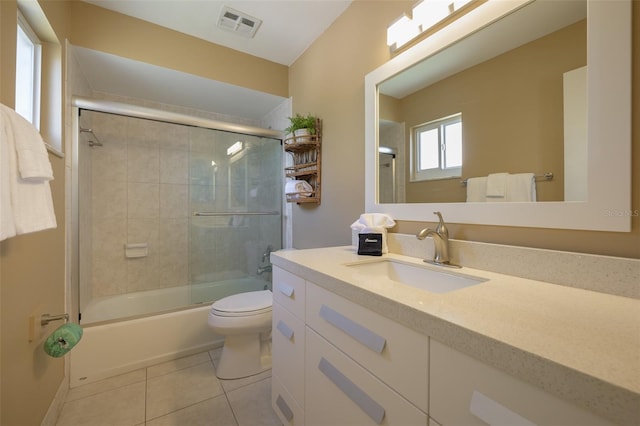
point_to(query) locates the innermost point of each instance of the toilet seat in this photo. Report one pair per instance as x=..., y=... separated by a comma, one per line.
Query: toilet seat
x=244, y=304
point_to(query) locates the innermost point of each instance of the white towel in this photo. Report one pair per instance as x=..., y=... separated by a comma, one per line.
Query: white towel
x=300, y=188
x=497, y=185
x=376, y=220
x=25, y=203
x=33, y=160
x=374, y=223
x=521, y=187
x=476, y=189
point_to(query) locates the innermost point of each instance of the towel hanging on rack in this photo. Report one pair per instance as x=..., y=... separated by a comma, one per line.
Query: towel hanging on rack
x=25, y=171
x=518, y=187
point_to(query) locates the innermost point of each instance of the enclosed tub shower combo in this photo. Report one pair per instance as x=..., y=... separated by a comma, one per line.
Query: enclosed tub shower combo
x=170, y=213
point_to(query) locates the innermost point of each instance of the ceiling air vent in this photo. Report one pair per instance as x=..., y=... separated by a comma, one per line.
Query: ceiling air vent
x=238, y=22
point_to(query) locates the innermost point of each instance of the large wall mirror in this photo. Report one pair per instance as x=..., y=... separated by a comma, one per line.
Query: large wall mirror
x=527, y=94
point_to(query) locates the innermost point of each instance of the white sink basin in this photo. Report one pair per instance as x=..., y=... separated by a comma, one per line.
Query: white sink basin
x=417, y=276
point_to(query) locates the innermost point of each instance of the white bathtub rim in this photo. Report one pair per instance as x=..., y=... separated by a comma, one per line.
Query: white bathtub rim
x=167, y=297
x=150, y=316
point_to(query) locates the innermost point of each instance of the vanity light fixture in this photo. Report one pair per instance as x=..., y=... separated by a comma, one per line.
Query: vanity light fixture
x=425, y=15
x=401, y=31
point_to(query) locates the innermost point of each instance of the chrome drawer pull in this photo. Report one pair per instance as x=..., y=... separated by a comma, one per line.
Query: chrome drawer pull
x=285, y=289
x=285, y=330
x=350, y=389
x=493, y=413
x=284, y=408
x=362, y=334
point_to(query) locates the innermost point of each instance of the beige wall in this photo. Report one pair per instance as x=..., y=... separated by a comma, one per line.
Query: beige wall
x=32, y=267
x=100, y=29
x=328, y=80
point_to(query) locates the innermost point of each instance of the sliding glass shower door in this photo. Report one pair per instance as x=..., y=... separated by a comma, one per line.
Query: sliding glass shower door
x=236, y=202
x=171, y=215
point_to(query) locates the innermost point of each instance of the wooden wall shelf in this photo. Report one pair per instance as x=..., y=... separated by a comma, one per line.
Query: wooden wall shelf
x=306, y=154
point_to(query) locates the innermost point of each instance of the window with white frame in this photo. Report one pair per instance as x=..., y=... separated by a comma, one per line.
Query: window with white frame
x=436, y=149
x=28, y=71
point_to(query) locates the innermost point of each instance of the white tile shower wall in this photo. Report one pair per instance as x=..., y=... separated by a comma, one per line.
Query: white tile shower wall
x=139, y=195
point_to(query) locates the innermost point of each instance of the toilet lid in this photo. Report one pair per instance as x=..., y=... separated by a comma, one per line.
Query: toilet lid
x=249, y=303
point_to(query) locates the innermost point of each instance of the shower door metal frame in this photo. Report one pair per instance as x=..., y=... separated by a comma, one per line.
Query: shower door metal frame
x=120, y=108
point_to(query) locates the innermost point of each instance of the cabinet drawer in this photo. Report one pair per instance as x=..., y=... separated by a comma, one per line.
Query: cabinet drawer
x=284, y=404
x=289, y=291
x=467, y=391
x=340, y=392
x=287, y=336
x=394, y=353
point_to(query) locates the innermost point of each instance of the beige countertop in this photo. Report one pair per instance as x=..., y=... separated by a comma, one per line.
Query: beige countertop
x=580, y=345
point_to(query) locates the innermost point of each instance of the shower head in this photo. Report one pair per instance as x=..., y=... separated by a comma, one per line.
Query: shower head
x=92, y=143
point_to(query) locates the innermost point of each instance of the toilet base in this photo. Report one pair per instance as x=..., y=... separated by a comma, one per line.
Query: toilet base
x=244, y=355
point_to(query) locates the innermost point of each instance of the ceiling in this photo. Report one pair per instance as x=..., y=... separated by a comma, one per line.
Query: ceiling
x=288, y=28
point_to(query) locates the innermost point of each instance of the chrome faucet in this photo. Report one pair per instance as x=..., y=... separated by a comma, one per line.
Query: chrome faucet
x=263, y=269
x=267, y=253
x=266, y=259
x=440, y=241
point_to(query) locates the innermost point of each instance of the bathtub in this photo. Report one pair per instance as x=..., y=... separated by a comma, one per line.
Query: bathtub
x=140, y=303
x=117, y=347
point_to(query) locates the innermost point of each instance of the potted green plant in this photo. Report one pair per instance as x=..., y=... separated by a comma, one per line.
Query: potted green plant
x=302, y=125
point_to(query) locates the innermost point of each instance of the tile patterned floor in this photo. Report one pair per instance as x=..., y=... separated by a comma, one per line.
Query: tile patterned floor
x=183, y=392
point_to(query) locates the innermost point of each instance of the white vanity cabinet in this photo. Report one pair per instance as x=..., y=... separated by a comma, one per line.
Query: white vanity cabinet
x=509, y=351
x=339, y=391
x=395, y=354
x=361, y=368
x=335, y=362
x=287, y=395
x=465, y=391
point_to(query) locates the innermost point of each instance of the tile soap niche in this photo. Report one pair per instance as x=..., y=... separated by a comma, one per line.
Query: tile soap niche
x=303, y=175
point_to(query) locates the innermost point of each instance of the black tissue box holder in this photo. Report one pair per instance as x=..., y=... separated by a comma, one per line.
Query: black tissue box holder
x=370, y=244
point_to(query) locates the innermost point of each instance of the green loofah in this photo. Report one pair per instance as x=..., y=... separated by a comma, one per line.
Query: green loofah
x=62, y=340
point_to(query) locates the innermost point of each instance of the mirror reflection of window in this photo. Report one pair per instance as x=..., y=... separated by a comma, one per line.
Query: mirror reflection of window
x=436, y=149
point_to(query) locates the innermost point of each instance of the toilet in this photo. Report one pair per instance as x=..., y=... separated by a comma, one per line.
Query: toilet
x=244, y=319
